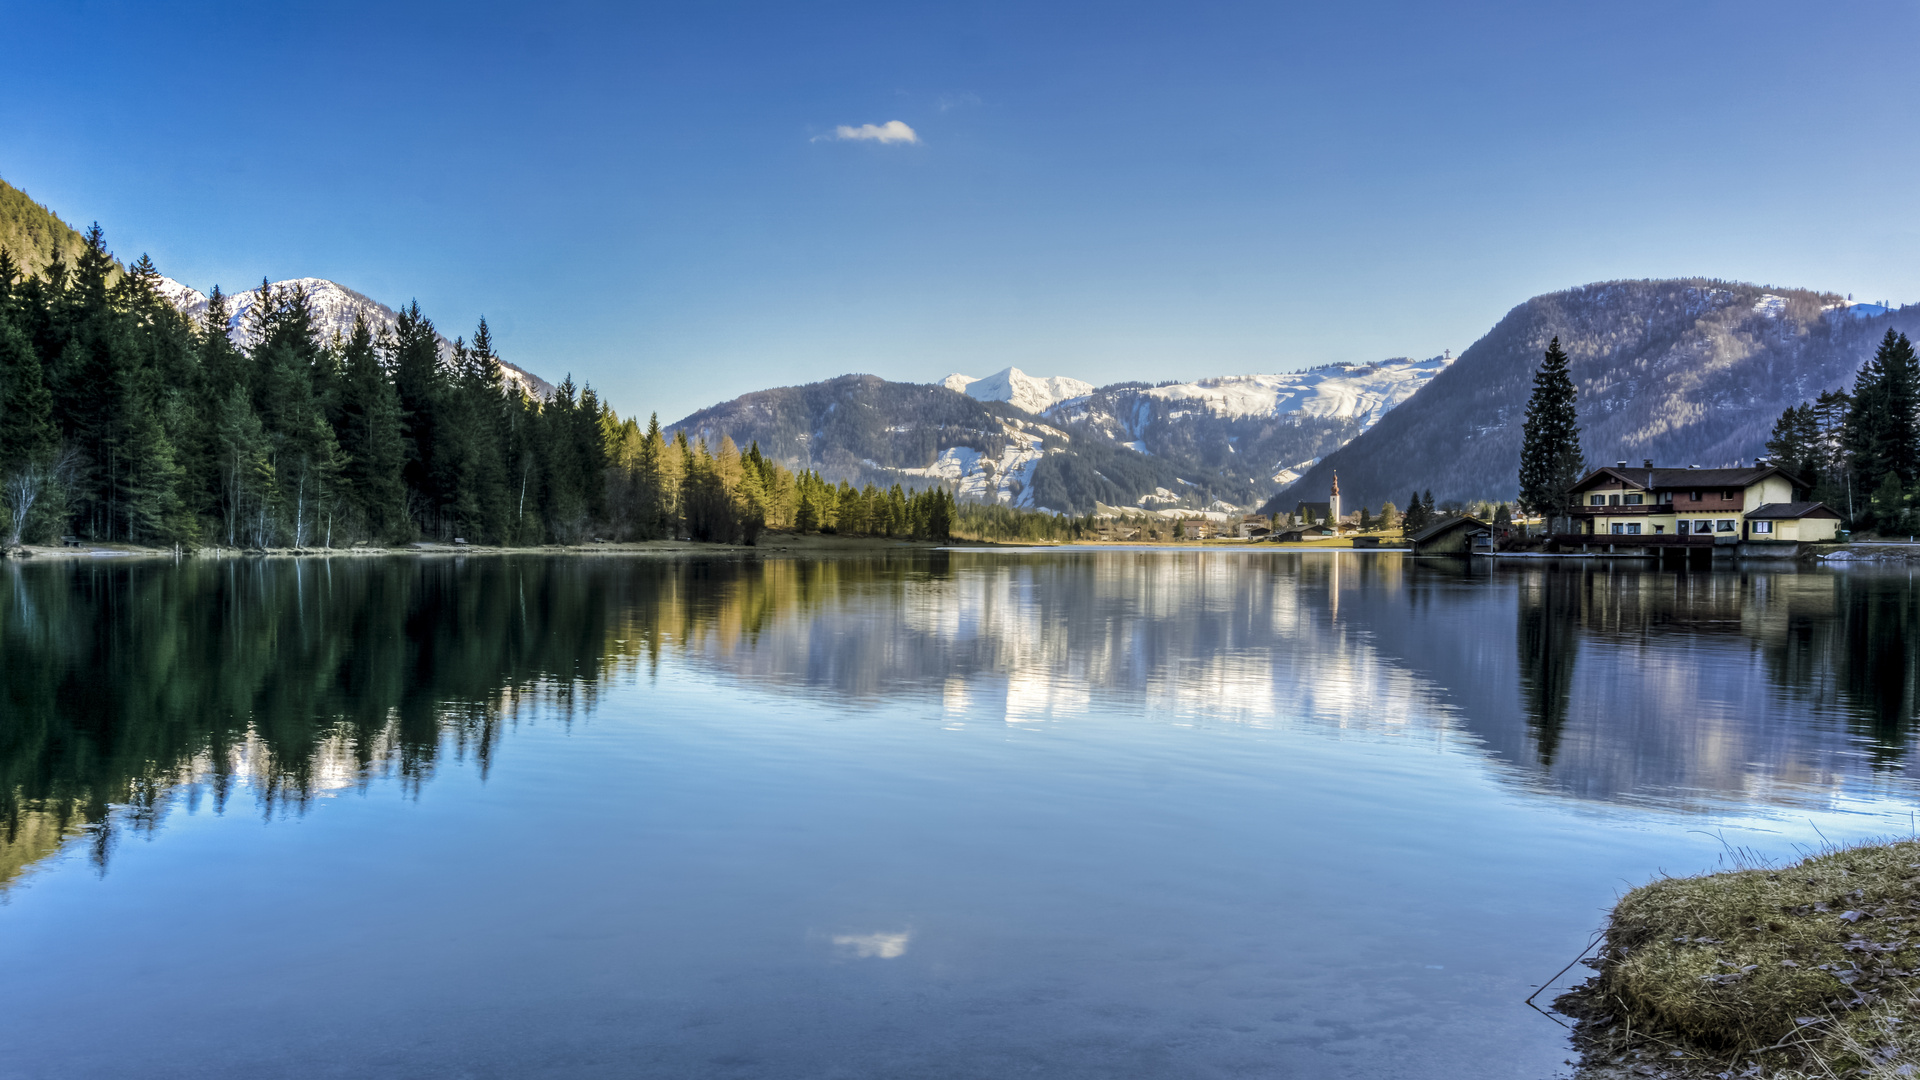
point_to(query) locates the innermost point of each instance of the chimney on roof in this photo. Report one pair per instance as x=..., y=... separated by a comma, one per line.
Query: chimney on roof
x=1693, y=466
x=1758, y=462
x=1647, y=464
x=1619, y=464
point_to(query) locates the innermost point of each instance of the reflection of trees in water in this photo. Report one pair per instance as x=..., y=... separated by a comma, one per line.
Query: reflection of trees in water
x=131, y=687
x=1880, y=625
x=1548, y=638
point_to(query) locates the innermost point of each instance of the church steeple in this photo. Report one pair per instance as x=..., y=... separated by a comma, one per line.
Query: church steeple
x=1333, y=503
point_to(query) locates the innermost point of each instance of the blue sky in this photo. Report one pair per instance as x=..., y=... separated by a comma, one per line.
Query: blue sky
x=652, y=197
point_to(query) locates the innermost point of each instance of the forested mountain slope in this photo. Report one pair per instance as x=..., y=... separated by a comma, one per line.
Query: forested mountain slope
x=32, y=234
x=1687, y=372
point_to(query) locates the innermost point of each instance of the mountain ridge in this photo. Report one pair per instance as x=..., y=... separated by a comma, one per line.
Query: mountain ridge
x=1680, y=370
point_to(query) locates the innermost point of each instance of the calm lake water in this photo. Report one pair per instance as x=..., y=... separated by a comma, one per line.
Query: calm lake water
x=942, y=814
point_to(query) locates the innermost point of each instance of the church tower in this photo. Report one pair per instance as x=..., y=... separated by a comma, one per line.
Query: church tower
x=1333, y=503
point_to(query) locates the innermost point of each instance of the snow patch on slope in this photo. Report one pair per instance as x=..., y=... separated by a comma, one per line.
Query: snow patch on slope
x=1032, y=393
x=1006, y=479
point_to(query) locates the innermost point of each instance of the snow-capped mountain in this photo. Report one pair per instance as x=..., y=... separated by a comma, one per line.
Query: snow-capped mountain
x=1362, y=392
x=1028, y=393
x=334, y=308
x=1263, y=429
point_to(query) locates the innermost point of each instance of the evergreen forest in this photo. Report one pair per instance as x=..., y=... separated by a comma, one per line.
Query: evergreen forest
x=123, y=420
x=1859, y=451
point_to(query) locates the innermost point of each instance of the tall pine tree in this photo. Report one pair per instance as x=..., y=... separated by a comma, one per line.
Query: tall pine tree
x=1550, y=458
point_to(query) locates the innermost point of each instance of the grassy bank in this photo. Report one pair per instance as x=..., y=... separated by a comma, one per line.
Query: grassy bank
x=1789, y=972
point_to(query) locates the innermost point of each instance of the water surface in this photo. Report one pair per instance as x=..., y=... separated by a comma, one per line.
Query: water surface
x=949, y=814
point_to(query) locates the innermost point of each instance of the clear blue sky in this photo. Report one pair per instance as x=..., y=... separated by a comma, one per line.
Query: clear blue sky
x=652, y=197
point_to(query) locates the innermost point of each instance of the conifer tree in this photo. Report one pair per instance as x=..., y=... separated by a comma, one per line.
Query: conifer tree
x=1883, y=426
x=27, y=437
x=1550, y=458
x=370, y=438
x=413, y=355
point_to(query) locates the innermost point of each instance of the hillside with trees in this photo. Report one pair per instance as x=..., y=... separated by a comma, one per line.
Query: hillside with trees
x=34, y=235
x=1686, y=372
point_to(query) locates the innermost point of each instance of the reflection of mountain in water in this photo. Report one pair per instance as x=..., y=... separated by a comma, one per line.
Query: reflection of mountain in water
x=128, y=688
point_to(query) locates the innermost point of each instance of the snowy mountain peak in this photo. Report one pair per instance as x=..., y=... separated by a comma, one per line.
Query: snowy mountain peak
x=1017, y=388
x=1362, y=392
x=334, y=308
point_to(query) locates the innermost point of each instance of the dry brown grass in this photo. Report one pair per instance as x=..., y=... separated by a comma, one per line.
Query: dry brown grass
x=1810, y=970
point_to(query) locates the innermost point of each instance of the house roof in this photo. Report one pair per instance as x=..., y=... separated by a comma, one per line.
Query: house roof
x=1791, y=511
x=1646, y=479
x=1439, y=527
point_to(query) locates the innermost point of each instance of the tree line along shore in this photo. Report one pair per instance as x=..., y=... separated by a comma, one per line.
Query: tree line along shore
x=123, y=421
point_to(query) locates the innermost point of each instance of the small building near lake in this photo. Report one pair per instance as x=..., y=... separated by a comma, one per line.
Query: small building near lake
x=1448, y=536
x=1795, y=522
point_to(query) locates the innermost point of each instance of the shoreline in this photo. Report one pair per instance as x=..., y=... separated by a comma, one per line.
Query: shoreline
x=770, y=542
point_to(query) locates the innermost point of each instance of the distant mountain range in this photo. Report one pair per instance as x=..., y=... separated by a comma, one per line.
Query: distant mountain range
x=1687, y=372
x=1058, y=443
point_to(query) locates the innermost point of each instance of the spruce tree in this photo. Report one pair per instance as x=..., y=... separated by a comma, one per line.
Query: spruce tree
x=1550, y=458
x=369, y=434
x=27, y=437
x=1880, y=433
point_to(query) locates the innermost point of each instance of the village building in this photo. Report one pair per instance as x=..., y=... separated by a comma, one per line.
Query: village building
x=1308, y=513
x=1448, y=536
x=1699, y=506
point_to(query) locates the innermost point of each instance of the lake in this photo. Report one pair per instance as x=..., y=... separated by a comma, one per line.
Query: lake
x=1063, y=813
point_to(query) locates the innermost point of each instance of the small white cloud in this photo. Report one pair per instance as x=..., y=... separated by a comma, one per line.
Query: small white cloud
x=893, y=131
x=869, y=946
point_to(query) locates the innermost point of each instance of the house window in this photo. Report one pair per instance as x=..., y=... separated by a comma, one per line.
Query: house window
x=1693, y=496
x=1659, y=528
x=1619, y=528
x=1762, y=527
x=1703, y=526
x=1729, y=496
x=1666, y=498
x=1633, y=527
x=1723, y=525
x=1613, y=500
x=1597, y=500
x=1635, y=499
